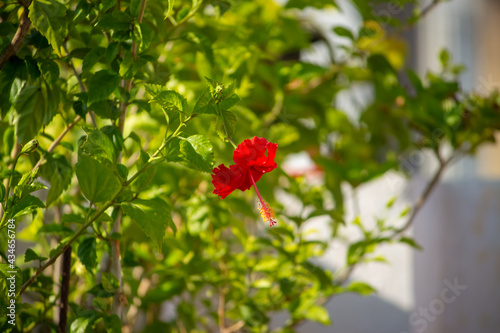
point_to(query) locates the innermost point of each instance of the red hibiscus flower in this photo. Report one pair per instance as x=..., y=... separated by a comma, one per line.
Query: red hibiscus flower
x=251, y=163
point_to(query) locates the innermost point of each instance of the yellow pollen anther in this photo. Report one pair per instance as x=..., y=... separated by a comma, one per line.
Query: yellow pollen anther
x=267, y=213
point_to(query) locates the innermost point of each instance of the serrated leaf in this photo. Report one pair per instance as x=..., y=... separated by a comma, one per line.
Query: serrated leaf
x=35, y=106
x=102, y=84
x=22, y=190
x=58, y=172
x=153, y=217
x=49, y=17
x=31, y=255
x=99, y=146
x=229, y=102
x=25, y=206
x=167, y=99
x=87, y=253
x=205, y=103
x=49, y=70
x=98, y=182
x=196, y=152
x=319, y=314
x=226, y=124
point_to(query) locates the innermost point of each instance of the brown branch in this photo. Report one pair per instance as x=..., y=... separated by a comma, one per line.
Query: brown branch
x=221, y=310
x=425, y=195
x=428, y=9
x=18, y=39
x=235, y=327
x=128, y=84
x=66, y=274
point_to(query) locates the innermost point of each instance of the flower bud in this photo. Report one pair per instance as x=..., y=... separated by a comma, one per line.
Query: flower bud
x=30, y=147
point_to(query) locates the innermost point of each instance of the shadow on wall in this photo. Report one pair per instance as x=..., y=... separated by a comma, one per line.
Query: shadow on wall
x=459, y=229
x=352, y=313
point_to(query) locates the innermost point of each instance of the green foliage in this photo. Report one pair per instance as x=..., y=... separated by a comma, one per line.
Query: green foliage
x=133, y=103
x=153, y=217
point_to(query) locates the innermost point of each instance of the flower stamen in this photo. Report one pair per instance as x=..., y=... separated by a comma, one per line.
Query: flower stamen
x=267, y=213
x=265, y=209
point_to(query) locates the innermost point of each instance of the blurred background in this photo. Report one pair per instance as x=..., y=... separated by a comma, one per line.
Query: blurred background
x=452, y=284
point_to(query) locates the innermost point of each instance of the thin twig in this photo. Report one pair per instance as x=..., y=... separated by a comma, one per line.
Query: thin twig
x=425, y=195
x=58, y=140
x=80, y=83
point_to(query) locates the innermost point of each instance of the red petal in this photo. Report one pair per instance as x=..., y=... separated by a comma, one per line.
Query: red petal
x=251, y=154
x=226, y=180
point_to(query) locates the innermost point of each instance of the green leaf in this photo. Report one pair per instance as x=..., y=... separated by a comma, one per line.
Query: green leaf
x=100, y=147
x=54, y=228
x=2, y=191
x=116, y=20
x=31, y=255
x=113, y=324
x=226, y=124
x=444, y=57
x=102, y=84
x=361, y=288
x=301, y=4
x=167, y=99
x=49, y=69
x=21, y=191
x=153, y=217
x=83, y=323
x=229, y=102
x=72, y=218
x=170, y=6
x=49, y=17
x=205, y=103
x=91, y=58
x=35, y=106
x=58, y=172
x=110, y=283
x=319, y=314
x=98, y=182
x=197, y=153
x=107, y=4
x=203, y=44
x=106, y=109
x=25, y=206
x=87, y=253
x=343, y=32
x=411, y=242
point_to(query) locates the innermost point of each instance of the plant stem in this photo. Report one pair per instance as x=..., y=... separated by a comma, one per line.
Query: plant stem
x=66, y=274
x=80, y=83
x=100, y=211
x=57, y=141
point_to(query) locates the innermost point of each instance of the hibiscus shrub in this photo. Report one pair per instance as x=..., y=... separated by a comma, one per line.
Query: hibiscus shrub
x=115, y=115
